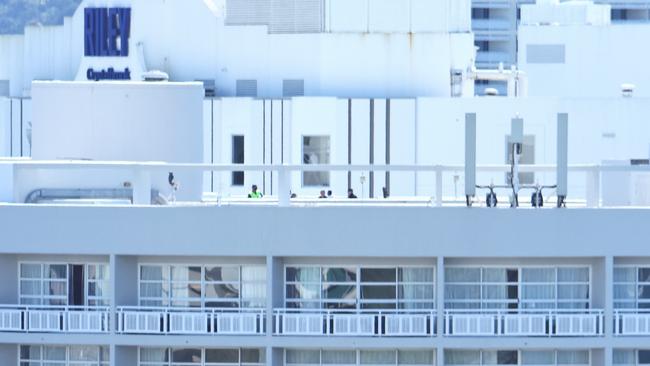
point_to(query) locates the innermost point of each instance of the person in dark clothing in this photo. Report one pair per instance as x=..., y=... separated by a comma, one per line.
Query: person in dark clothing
x=329, y=194
x=351, y=193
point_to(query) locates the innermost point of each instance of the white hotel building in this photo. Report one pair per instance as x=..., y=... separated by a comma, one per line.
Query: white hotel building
x=107, y=261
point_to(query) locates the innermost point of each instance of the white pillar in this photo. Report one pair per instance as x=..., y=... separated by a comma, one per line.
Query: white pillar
x=284, y=186
x=142, y=187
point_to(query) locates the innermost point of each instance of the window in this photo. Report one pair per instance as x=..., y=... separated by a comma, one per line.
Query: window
x=246, y=88
x=210, y=286
x=527, y=157
x=238, y=158
x=64, y=284
x=359, y=357
x=64, y=356
x=517, y=288
x=632, y=287
x=293, y=88
x=316, y=150
x=360, y=287
x=513, y=357
x=200, y=356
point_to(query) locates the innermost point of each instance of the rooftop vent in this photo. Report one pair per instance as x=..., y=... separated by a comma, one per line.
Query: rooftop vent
x=155, y=75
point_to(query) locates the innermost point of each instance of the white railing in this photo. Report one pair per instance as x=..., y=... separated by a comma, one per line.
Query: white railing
x=140, y=173
x=632, y=322
x=529, y=323
x=54, y=319
x=192, y=321
x=368, y=323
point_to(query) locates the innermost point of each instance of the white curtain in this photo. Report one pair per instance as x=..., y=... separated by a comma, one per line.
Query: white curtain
x=54, y=353
x=29, y=270
x=462, y=357
x=573, y=357
x=537, y=358
x=84, y=353
x=423, y=357
x=303, y=357
x=153, y=355
x=339, y=357
x=377, y=357
x=152, y=273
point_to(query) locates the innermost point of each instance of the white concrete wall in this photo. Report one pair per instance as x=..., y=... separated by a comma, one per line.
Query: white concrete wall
x=597, y=60
x=121, y=121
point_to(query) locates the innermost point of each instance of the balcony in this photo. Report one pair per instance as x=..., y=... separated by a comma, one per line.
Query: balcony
x=528, y=323
x=632, y=322
x=358, y=323
x=54, y=319
x=190, y=321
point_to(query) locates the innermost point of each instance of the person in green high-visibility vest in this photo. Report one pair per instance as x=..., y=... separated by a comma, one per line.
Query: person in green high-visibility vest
x=254, y=193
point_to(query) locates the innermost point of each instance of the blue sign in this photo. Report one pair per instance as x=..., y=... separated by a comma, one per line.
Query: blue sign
x=103, y=27
x=109, y=74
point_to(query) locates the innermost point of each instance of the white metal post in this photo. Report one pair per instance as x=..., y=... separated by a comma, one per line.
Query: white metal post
x=142, y=187
x=439, y=187
x=592, y=186
x=284, y=189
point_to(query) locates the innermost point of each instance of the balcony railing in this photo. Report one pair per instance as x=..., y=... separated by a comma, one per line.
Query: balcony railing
x=367, y=323
x=530, y=323
x=632, y=322
x=54, y=319
x=196, y=321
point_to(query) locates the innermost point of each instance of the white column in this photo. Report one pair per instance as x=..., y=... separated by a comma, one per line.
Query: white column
x=142, y=187
x=284, y=187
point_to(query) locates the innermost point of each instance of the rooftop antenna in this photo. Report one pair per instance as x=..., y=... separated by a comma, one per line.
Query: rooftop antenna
x=515, y=143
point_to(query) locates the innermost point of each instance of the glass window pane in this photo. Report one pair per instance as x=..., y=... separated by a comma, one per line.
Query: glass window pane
x=222, y=355
x=416, y=274
x=339, y=357
x=538, y=292
x=152, y=290
x=222, y=291
x=416, y=292
x=253, y=273
x=303, y=357
x=252, y=355
x=378, y=275
x=378, y=292
x=454, y=274
x=52, y=288
x=300, y=291
x=644, y=292
x=544, y=275
x=580, y=274
x=644, y=357
x=463, y=292
x=573, y=291
x=222, y=274
x=624, y=357
x=423, y=357
x=186, y=273
x=462, y=357
x=152, y=273
x=624, y=274
x=624, y=292
x=238, y=158
x=30, y=352
x=54, y=353
x=30, y=287
x=644, y=274
x=537, y=358
x=339, y=274
x=377, y=357
x=187, y=355
x=84, y=353
x=303, y=274
x=495, y=275
x=30, y=270
x=55, y=271
x=507, y=358
x=348, y=292
x=154, y=355
x=316, y=150
x=573, y=357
